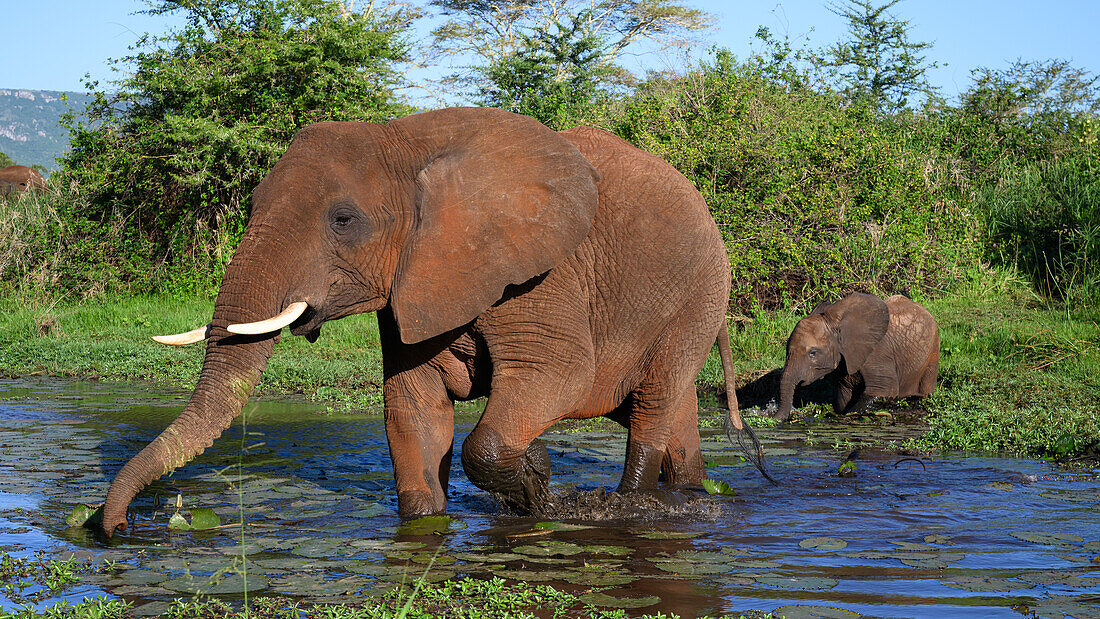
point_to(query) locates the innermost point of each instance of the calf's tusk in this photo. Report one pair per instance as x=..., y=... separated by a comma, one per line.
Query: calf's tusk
x=180, y=339
x=285, y=317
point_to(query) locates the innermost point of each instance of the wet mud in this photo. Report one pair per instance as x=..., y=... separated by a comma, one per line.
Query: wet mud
x=904, y=536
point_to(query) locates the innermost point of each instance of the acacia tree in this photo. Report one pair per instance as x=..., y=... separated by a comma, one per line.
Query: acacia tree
x=170, y=153
x=548, y=57
x=552, y=76
x=878, y=64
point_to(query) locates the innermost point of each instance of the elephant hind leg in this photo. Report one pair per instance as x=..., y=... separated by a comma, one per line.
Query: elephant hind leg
x=683, y=463
x=663, y=423
x=931, y=373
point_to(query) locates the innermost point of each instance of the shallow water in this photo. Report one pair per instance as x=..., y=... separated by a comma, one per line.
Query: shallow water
x=944, y=536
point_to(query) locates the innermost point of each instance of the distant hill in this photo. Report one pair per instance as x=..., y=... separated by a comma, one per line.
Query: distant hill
x=29, y=129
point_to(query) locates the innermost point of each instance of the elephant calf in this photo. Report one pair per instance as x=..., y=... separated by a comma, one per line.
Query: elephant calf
x=872, y=348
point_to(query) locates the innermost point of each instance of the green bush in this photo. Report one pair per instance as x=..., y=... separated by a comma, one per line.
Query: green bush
x=813, y=196
x=170, y=155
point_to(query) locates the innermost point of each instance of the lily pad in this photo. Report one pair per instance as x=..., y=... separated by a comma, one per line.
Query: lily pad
x=216, y=585
x=911, y=546
x=823, y=543
x=801, y=583
x=318, y=548
x=550, y=549
x=141, y=577
x=600, y=579
x=204, y=518
x=178, y=522
x=368, y=569
x=799, y=611
x=937, y=539
x=386, y=545
x=982, y=583
x=431, y=525
x=1062, y=540
x=604, y=549
x=83, y=513
x=668, y=535
x=606, y=601
x=561, y=526
x=718, y=487
x=687, y=567
x=411, y=575
x=526, y=575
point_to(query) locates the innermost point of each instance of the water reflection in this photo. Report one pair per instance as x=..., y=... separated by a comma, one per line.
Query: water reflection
x=950, y=536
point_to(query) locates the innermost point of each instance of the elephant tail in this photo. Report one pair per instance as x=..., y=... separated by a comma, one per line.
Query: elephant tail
x=733, y=423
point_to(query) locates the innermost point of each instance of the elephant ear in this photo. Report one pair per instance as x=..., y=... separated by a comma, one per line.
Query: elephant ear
x=860, y=321
x=501, y=200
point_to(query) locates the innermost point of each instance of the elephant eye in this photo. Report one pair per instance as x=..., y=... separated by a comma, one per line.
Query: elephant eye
x=347, y=222
x=813, y=352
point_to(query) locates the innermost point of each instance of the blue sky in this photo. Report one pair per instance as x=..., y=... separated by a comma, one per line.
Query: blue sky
x=52, y=44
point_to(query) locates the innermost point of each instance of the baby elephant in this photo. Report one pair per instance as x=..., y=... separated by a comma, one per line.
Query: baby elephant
x=873, y=349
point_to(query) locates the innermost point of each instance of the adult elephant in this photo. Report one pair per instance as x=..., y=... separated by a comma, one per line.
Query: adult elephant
x=563, y=275
x=15, y=178
x=872, y=348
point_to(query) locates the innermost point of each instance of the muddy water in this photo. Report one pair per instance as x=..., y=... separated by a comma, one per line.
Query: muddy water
x=943, y=536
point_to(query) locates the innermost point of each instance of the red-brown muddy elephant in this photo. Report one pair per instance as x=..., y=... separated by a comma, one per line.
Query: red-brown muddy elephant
x=563, y=275
x=15, y=178
x=874, y=349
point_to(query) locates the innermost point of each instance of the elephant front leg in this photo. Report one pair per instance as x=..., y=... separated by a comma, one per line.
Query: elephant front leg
x=419, y=418
x=518, y=476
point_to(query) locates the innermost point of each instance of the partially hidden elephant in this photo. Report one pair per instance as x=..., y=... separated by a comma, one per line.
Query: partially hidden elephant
x=563, y=275
x=872, y=348
x=16, y=178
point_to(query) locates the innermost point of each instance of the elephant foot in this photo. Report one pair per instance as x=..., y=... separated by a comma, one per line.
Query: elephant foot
x=522, y=487
x=416, y=503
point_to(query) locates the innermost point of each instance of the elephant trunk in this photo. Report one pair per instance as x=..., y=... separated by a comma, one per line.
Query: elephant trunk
x=217, y=400
x=231, y=369
x=786, y=392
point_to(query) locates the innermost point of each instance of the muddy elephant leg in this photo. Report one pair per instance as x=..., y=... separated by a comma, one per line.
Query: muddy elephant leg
x=419, y=417
x=502, y=454
x=683, y=463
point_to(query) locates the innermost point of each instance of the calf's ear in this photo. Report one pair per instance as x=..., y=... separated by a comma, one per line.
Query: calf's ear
x=860, y=321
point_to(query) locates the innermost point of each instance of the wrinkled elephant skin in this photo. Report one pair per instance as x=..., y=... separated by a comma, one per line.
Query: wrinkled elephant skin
x=872, y=348
x=563, y=275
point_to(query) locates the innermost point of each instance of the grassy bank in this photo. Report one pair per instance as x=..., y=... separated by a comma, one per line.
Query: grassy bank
x=1016, y=374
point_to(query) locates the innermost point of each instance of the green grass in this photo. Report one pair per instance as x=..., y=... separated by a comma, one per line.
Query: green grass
x=109, y=338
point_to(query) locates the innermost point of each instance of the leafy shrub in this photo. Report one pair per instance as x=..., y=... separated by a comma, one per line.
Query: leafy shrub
x=812, y=196
x=173, y=152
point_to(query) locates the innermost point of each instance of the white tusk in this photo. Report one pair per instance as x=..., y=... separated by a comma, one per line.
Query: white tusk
x=285, y=317
x=180, y=339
